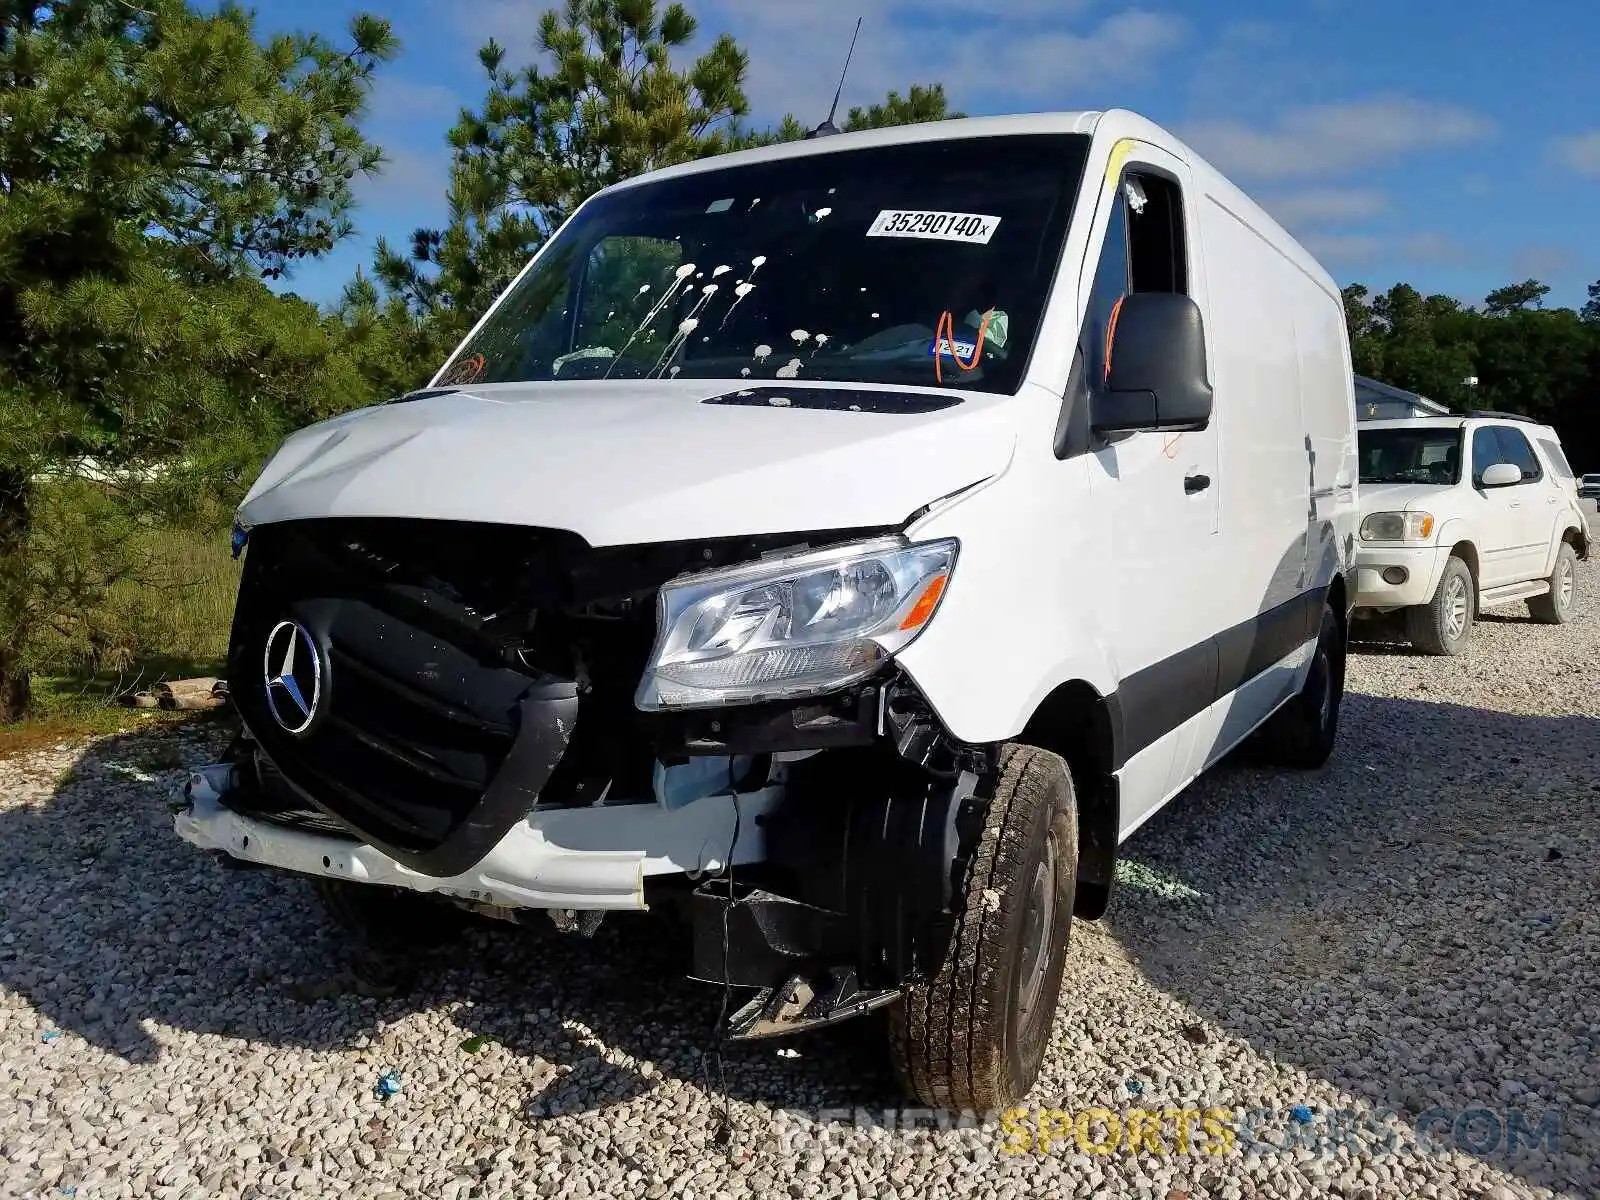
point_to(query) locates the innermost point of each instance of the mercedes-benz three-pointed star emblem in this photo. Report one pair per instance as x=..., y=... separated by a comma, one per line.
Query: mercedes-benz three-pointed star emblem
x=294, y=676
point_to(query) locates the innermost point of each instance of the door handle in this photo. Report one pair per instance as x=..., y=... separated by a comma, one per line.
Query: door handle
x=1195, y=483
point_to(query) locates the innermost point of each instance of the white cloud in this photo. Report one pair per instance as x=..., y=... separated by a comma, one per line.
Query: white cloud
x=1579, y=152
x=1542, y=262
x=1332, y=139
x=1431, y=247
x=396, y=98
x=1334, y=249
x=1324, y=206
x=407, y=177
x=1037, y=53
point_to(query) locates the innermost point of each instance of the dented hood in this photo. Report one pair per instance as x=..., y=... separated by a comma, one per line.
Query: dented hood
x=629, y=462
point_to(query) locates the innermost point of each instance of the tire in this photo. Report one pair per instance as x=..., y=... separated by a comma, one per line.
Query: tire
x=1555, y=606
x=389, y=920
x=1444, y=624
x=1302, y=733
x=974, y=1037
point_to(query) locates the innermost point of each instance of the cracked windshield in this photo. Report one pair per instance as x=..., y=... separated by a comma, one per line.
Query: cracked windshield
x=913, y=264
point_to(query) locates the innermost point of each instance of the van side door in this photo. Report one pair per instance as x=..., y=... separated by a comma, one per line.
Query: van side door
x=1155, y=492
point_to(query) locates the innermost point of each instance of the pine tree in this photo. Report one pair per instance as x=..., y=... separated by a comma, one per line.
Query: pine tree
x=156, y=163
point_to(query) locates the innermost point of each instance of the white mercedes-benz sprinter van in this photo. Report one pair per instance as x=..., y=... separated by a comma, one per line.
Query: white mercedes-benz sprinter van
x=845, y=545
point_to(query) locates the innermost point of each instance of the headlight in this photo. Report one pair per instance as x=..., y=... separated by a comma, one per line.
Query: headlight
x=1397, y=527
x=791, y=627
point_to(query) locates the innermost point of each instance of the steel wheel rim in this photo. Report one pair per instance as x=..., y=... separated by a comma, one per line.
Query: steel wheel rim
x=1036, y=935
x=1455, y=607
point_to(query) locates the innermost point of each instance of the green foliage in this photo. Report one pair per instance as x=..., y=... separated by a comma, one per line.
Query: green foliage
x=156, y=163
x=1542, y=362
x=604, y=102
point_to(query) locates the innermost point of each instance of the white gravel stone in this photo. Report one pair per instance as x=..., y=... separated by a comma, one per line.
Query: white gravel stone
x=1415, y=929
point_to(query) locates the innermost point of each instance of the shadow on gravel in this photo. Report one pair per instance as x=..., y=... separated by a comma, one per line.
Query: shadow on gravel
x=1416, y=924
x=1340, y=922
x=114, y=929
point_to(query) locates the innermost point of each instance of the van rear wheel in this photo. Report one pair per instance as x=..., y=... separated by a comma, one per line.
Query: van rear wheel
x=1444, y=623
x=1302, y=733
x=974, y=1037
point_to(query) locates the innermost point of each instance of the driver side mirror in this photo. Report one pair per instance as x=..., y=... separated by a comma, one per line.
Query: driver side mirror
x=1157, y=357
x=1501, y=474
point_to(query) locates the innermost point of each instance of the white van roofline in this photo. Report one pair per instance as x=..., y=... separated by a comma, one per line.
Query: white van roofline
x=1112, y=124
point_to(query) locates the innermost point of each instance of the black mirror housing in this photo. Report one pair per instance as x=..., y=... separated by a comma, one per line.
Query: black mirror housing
x=1158, y=378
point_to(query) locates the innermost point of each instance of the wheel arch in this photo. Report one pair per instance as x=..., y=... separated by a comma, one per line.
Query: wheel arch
x=1085, y=728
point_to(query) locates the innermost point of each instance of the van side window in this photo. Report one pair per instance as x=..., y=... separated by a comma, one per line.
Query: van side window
x=1157, y=253
x=1514, y=448
x=1110, y=286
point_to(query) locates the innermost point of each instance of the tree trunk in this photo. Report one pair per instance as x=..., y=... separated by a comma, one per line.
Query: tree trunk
x=15, y=512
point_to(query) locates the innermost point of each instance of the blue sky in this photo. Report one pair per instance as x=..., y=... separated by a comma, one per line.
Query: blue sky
x=1454, y=146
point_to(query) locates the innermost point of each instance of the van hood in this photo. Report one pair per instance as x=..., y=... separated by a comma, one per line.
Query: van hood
x=1400, y=497
x=629, y=462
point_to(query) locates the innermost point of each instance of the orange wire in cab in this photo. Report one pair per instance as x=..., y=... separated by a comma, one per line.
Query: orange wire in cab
x=945, y=331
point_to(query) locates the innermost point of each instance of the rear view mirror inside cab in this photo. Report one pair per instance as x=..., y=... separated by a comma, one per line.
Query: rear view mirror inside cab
x=1156, y=371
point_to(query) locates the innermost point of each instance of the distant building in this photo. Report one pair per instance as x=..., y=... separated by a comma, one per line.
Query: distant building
x=1379, y=402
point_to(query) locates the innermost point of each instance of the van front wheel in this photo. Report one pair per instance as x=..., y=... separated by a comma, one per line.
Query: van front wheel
x=974, y=1037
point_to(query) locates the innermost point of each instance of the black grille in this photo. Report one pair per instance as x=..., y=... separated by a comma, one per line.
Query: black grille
x=440, y=639
x=434, y=634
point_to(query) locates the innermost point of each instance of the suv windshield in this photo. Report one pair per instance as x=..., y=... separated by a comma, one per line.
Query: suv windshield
x=835, y=266
x=1410, y=455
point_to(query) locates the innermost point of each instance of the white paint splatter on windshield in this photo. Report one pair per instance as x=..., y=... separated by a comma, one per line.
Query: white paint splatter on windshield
x=743, y=289
x=679, y=276
x=790, y=369
x=722, y=270
x=799, y=336
x=763, y=352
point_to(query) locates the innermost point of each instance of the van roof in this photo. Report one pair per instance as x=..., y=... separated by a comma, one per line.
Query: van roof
x=1119, y=123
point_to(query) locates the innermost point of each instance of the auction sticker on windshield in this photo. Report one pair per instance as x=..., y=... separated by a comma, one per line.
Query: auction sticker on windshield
x=937, y=226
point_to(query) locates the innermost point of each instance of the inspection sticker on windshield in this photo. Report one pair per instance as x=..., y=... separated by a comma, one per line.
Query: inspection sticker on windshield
x=936, y=226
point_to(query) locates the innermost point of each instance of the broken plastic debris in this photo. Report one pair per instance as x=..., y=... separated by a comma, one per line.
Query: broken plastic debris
x=50, y=1035
x=1301, y=1114
x=476, y=1042
x=1134, y=1087
x=388, y=1084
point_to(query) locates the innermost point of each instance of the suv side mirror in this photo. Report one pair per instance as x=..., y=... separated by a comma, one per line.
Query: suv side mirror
x=1157, y=358
x=1502, y=474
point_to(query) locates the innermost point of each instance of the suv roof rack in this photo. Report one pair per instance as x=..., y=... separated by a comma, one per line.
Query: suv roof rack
x=1503, y=416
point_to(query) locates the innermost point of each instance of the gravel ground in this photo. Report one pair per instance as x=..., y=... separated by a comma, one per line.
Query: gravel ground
x=1415, y=930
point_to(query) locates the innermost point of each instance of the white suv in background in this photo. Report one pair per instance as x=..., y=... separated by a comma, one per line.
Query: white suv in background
x=1459, y=513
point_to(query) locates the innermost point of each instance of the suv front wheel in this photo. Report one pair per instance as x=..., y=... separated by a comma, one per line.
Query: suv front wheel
x=1442, y=625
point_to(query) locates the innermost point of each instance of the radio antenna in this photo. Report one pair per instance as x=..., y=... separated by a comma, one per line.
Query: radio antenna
x=828, y=126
